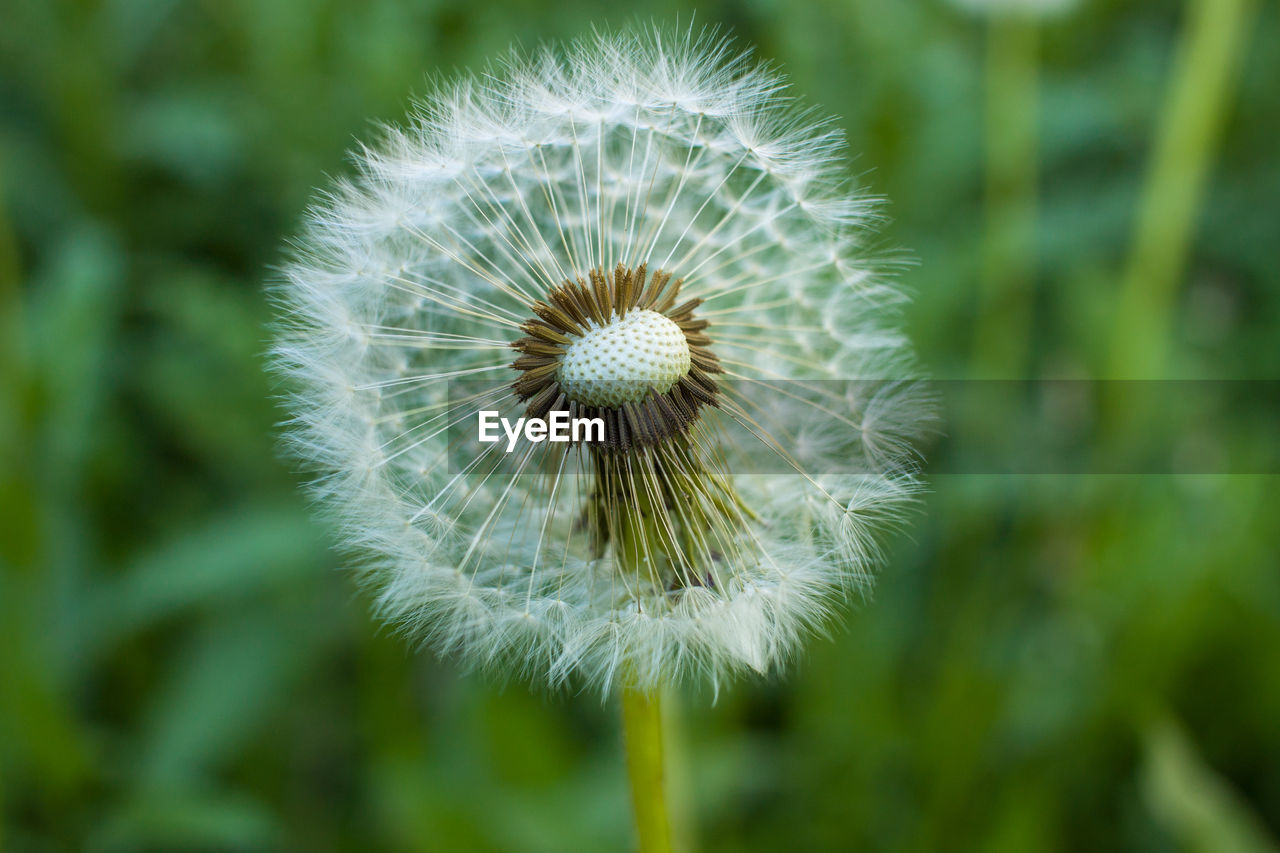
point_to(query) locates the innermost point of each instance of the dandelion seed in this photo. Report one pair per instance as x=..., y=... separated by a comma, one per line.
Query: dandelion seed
x=641, y=229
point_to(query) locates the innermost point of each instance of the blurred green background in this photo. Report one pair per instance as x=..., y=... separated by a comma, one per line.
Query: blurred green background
x=1049, y=663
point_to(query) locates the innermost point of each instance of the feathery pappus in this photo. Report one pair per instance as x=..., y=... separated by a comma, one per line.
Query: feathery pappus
x=639, y=229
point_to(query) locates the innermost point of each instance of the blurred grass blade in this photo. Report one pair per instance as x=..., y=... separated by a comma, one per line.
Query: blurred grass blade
x=1196, y=805
x=227, y=557
x=1185, y=147
x=189, y=822
x=222, y=689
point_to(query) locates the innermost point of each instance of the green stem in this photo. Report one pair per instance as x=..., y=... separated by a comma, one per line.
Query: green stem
x=1003, y=325
x=638, y=550
x=641, y=508
x=1187, y=137
x=642, y=731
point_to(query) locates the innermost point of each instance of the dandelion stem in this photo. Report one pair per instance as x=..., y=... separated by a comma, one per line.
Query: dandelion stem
x=1187, y=136
x=642, y=731
x=638, y=551
x=1003, y=327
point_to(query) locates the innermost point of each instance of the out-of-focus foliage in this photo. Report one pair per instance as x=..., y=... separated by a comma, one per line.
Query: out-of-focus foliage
x=1051, y=663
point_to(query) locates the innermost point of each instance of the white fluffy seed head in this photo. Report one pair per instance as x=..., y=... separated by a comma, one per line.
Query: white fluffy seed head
x=620, y=361
x=412, y=280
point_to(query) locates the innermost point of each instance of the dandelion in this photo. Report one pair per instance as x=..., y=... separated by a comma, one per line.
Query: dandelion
x=642, y=229
x=644, y=232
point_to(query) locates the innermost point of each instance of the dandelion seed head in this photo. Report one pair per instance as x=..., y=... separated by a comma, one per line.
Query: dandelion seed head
x=643, y=228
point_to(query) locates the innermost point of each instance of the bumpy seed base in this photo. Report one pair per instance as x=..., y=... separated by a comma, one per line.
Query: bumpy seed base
x=619, y=362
